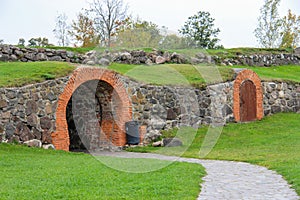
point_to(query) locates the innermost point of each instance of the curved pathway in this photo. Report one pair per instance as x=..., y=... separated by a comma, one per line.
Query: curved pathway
x=227, y=180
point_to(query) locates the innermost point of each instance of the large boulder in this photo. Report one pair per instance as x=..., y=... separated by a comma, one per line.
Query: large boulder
x=178, y=58
x=55, y=58
x=125, y=56
x=172, y=142
x=139, y=53
x=203, y=58
x=297, y=51
x=41, y=57
x=195, y=61
x=4, y=57
x=90, y=62
x=160, y=60
x=104, y=62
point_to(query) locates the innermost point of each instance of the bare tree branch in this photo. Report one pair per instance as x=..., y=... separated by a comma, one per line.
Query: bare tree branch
x=61, y=30
x=105, y=14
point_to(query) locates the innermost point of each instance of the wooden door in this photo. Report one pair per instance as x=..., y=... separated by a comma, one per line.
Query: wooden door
x=248, y=101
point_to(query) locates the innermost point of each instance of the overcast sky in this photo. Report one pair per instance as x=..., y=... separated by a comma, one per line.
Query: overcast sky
x=237, y=19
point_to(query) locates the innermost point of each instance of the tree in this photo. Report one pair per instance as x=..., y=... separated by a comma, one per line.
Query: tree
x=106, y=13
x=83, y=31
x=269, y=24
x=44, y=42
x=1, y=41
x=40, y=42
x=137, y=33
x=21, y=42
x=200, y=29
x=291, y=31
x=32, y=42
x=61, y=30
x=172, y=41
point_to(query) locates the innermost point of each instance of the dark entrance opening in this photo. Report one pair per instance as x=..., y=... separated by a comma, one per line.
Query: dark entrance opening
x=248, y=107
x=91, y=117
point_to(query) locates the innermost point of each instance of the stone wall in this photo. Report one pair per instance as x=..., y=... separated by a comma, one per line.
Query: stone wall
x=259, y=60
x=160, y=57
x=29, y=112
x=281, y=97
x=162, y=107
x=13, y=53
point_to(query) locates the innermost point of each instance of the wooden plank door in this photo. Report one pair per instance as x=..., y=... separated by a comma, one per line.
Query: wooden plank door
x=248, y=101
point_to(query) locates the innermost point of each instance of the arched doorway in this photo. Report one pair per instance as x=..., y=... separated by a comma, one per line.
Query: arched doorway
x=247, y=97
x=248, y=110
x=96, y=103
x=92, y=116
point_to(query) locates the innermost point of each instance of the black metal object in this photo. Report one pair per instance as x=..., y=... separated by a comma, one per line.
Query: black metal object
x=132, y=132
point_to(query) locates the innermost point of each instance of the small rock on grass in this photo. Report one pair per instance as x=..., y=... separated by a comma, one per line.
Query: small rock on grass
x=34, y=143
x=157, y=144
x=172, y=142
x=48, y=146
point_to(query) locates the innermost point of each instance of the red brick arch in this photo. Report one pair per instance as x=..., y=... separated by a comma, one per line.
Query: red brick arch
x=60, y=138
x=242, y=77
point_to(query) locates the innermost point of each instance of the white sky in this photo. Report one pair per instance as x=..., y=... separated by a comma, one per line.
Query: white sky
x=237, y=19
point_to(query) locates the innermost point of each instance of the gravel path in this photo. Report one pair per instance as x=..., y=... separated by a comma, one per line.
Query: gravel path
x=226, y=180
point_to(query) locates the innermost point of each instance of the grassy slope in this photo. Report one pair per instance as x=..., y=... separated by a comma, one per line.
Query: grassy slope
x=191, y=52
x=228, y=53
x=172, y=74
x=80, y=50
x=30, y=173
x=278, y=73
x=18, y=74
x=273, y=142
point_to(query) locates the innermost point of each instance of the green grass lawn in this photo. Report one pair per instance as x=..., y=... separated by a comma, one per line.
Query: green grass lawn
x=277, y=73
x=233, y=52
x=230, y=53
x=14, y=74
x=31, y=173
x=175, y=74
x=273, y=142
x=199, y=76
x=80, y=50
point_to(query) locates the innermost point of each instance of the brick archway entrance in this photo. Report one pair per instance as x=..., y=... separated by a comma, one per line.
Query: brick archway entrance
x=247, y=97
x=106, y=82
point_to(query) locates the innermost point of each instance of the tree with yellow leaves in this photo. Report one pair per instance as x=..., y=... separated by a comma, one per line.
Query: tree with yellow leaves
x=291, y=31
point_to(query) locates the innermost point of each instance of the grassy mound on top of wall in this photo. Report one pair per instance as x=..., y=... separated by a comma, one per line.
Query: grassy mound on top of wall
x=175, y=74
x=32, y=173
x=273, y=142
x=199, y=76
x=228, y=53
x=288, y=73
x=233, y=52
x=15, y=74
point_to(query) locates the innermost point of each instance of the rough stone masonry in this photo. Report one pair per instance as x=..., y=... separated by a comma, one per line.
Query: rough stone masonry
x=13, y=53
x=30, y=112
